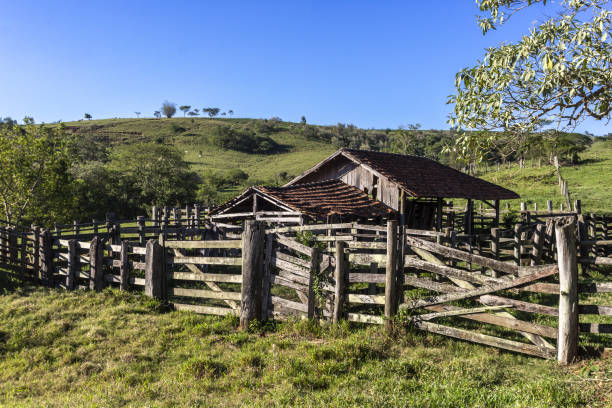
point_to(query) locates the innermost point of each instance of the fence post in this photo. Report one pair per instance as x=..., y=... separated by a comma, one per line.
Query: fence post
x=340, y=277
x=96, y=260
x=538, y=241
x=252, y=272
x=549, y=206
x=196, y=209
x=155, y=270
x=73, y=264
x=314, y=270
x=517, y=244
x=12, y=246
x=266, y=281
x=495, y=242
x=567, y=344
x=3, y=245
x=124, y=267
x=140, y=220
x=36, y=252
x=46, y=258
x=154, y=216
x=391, y=274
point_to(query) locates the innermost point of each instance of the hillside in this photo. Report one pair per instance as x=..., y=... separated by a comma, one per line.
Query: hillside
x=588, y=181
x=298, y=149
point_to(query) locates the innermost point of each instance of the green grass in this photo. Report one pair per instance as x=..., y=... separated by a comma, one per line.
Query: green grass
x=588, y=181
x=111, y=349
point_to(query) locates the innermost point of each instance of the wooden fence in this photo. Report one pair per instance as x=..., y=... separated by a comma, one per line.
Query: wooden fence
x=433, y=281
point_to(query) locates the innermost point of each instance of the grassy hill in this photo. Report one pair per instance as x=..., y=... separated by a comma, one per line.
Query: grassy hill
x=191, y=136
x=588, y=180
x=109, y=349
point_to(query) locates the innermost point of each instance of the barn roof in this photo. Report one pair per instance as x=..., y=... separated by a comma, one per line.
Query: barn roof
x=420, y=176
x=318, y=200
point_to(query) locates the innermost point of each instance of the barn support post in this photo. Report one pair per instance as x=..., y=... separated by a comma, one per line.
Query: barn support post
x=340, y=276
x=252, y=272
x=96, y=262
x=155, y=270
x=439, y=213
x=567, y=345
x=496, y=208
x=391, y=283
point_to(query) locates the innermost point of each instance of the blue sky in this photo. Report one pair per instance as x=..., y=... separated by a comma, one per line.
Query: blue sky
x=371, y=63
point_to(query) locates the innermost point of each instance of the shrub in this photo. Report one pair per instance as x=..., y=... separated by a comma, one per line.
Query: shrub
x=243, y=140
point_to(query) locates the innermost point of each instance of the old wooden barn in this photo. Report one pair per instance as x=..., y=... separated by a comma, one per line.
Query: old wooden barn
x=366, y=185
x=303, y=203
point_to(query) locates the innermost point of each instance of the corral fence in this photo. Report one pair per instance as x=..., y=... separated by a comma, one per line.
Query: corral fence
x=369, y=274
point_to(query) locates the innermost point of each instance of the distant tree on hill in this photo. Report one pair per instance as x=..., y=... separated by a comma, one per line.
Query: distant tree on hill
x=168, y=109
x=230, y=112
x=223, y=113
x=87, y=116
x=157, y=114
x=212, y=112
x=303, y=120
x=185, y=109
x=193, y=113
x=137, y=114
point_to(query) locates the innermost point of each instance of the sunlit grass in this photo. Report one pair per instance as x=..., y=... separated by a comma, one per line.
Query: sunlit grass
x=113, y=349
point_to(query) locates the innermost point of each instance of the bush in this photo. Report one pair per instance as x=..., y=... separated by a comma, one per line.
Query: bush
x=243, y=140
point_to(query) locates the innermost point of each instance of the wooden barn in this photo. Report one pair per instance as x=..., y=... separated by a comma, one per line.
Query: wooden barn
x=416, y=187
x=321, y=201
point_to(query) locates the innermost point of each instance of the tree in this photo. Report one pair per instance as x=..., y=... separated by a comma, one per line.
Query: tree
x=230, y=112
x=157, y=114
x=137, y=114
x=185, y=109
x=559, y=73
x=168, y=109
x=194, y=113
x=87, y=116
x=34, y=163
x=303, y=121
x=160, y=176
x=212, y=112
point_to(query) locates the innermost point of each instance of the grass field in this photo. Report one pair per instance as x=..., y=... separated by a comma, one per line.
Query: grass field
x=588, y=181
x=109, y=349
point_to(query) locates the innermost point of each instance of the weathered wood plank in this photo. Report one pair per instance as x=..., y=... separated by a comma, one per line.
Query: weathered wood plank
x=289, y=304
x=207, y=277
x=482, y=290
x=207, y=294
x=204, y=244
x=503, y=321
x=283, y=256
x=486, y=340
x=464, y=256
x=220, y=311
x=207, y=260
x=290, y=243
x=364, y=318
x=458, y=312
x=519, y=305
x=290, y=267
x=366, y=278
x=366, y=299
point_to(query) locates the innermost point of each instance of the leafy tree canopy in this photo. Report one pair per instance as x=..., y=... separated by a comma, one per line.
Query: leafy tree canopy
x=559, y=73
